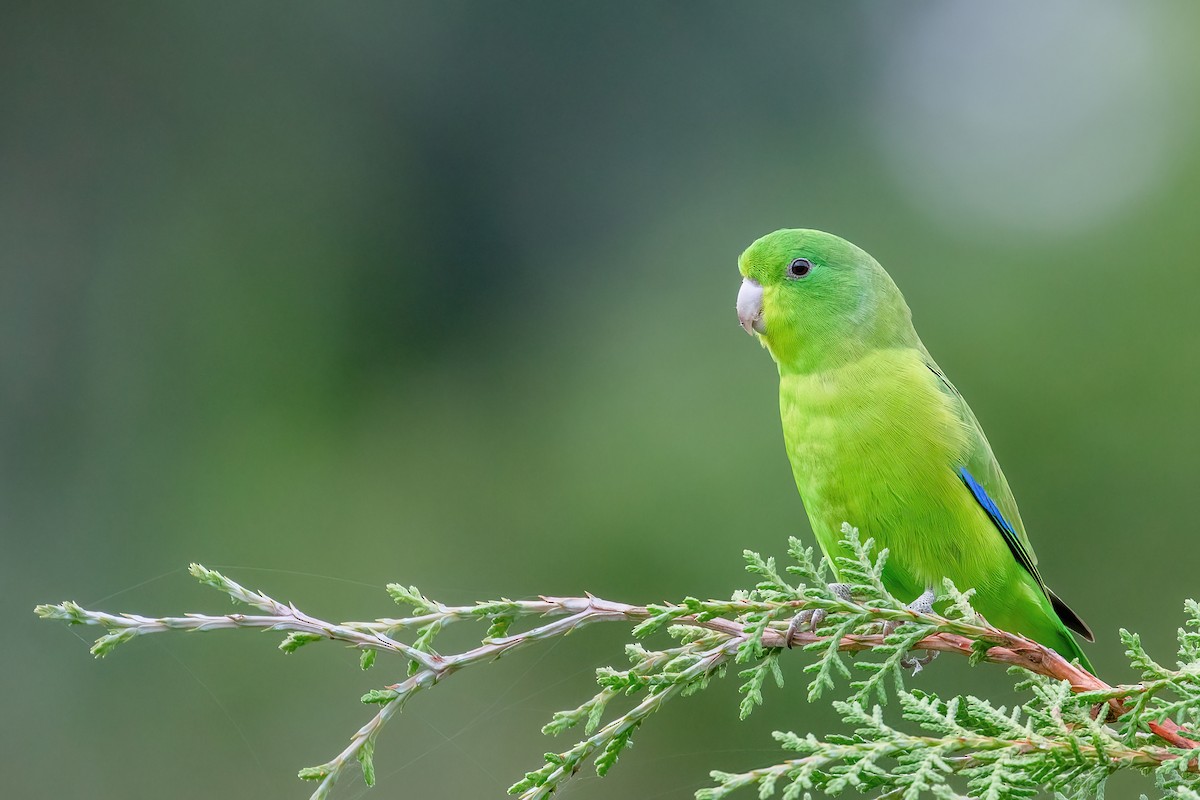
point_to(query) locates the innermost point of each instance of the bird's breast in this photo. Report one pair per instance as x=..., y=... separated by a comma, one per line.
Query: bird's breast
x=886, y=406
x=874, y=443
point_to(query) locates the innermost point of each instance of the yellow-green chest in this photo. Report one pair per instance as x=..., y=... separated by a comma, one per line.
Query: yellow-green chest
x=875, y=443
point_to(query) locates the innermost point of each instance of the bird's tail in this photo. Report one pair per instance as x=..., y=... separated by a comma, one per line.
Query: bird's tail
x=1069, y=649
x=1070, y=621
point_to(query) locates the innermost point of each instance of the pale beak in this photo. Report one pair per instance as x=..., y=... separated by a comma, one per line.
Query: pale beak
x=749, y=306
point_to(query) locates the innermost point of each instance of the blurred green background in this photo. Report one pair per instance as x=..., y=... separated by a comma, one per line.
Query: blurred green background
x=442, y=293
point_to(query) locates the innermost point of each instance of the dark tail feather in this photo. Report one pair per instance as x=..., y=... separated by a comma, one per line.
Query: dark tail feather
x=1070, y=618
x=1069, y=649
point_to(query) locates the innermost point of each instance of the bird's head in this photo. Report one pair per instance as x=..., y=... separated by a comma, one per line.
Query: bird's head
x=815, y=300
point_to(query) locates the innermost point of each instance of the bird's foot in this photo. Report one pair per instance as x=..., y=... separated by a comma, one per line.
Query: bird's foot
x=811, y=618
x=922, y=605
x=917, y=663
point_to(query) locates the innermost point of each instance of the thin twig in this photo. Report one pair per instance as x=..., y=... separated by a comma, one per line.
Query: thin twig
x=573, y=613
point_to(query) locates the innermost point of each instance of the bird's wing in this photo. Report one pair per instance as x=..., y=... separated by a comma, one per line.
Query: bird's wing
x=981, y=475
x=987, y=481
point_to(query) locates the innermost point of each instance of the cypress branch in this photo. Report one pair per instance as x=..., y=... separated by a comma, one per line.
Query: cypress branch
x=1069, y=737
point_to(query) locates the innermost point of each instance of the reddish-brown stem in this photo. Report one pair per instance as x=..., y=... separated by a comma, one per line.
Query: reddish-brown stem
x=1009, y=649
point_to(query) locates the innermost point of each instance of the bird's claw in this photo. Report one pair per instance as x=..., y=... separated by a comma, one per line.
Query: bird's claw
x=922, y=605
x=810, y=619
x=917, y=663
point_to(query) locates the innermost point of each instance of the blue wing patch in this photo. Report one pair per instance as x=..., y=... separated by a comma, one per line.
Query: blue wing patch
x=1064, y=612
x=1003, y=525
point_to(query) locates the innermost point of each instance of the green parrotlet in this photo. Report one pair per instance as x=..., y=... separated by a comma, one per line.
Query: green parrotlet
x=878, y=437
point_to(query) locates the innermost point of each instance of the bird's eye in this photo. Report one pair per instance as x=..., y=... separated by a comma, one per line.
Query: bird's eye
x=799, y=268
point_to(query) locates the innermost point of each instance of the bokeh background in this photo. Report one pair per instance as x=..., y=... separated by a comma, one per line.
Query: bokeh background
x=442, y=293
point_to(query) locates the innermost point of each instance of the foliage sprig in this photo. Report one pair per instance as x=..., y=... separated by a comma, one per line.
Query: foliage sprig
x=1071, y=734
